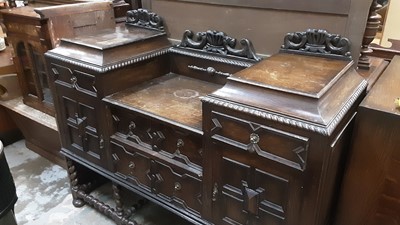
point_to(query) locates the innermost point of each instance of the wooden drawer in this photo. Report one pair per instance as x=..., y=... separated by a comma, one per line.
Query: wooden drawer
x=179, y=145
x=175, y=185
x=80, y=81
x=276, y=145
x=130, y=164
x=201, y=69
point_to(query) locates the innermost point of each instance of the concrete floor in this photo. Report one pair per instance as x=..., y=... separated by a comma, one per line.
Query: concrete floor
x=44, y=197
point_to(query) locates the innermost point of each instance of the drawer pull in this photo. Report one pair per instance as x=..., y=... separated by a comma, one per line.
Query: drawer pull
x=131, y=165
x=210, y=70
x=397, y=103
x=254, y=138
x=131, y=126
x=179, y=144
x=177, y=186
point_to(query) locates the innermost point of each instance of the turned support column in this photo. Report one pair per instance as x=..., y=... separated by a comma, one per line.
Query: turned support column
x=373, y=23
x=73, y=178
x=117, y=198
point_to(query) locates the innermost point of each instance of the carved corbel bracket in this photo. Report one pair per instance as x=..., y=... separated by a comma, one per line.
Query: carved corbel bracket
x=144, y=18
x=218, y=42
x=317, y=41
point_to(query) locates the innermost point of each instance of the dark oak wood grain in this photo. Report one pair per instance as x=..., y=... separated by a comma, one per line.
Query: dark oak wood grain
x=181, y=105
x=331, y=6
x=6, y=62
x=266, y=21
x=370, y=191
x=265, y=137
x=305, y=75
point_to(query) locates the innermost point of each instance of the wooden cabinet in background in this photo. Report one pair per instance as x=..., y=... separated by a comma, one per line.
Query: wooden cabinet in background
x=370, y=194
x=34, y=31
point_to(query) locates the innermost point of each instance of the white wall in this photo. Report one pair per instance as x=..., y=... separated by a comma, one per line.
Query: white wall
x=392, y=26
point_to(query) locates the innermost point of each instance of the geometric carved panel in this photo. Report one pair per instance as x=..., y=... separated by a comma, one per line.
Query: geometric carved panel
x=81, y=125
x=276, y=145
x=252, y=196
x=131, y=165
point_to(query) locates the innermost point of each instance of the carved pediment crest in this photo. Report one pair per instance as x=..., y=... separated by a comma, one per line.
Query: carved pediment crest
x=144, y=18
x=317, y=41
x=218, y=42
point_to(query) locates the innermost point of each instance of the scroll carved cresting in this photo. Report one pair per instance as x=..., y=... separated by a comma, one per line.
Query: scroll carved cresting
x=218, y=42
x=317, y=41
x=144, y=18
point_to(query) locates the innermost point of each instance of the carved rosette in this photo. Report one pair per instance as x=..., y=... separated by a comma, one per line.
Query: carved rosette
x=218, y=42
x=144, y=18
x=317, y=41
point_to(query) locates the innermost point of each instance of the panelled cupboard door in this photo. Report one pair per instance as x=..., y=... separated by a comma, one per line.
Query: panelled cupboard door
x=79, y=114
x=246, y=190
x=258, y=173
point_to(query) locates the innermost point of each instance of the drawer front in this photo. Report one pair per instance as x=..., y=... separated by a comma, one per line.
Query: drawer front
x=177, y=186
x=178, y=145
x=79, y=81
x=276, y=145
x=131, y=164
x=204, y=69
x=170, y=183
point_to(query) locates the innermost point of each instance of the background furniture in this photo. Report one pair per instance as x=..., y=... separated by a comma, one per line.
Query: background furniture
x=370, y=194
x=9, y=89
x=33, y=31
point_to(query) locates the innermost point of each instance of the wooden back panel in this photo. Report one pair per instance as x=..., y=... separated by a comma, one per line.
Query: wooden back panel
x=264, y=22
x=72, y=20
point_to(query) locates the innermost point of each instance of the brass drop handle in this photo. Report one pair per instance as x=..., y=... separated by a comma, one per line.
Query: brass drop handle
x=131, y=127
x=101, y=142
x=215, y=192
x=131, y=167
x=74, y=80
x=179, y=145
x=397, y=103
